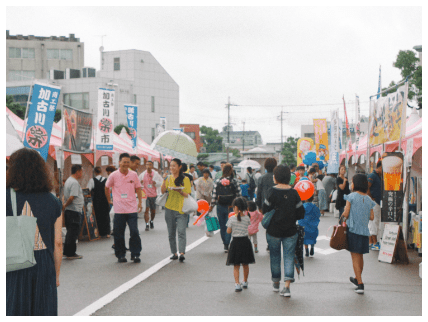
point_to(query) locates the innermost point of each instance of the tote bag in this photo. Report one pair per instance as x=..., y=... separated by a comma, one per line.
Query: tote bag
x=212, y=223
x=20, y=238
x=339, y=237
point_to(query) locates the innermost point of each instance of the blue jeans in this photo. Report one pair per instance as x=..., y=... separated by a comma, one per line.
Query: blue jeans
x=289, y=249
x=120, y=221
x=223, y=217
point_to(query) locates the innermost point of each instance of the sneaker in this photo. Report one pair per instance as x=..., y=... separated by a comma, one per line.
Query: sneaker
x=354, y=281
x=256, y=250
x=122, y=260
x=244, y=284
x=151, y=225
x=238, y=287
x=181, y=258
x=359, y=289
x=137, y=259
x=312, y=251
x=276, y=286
x=370, y=246
x=267, y=248
x=307, y=252
x=147, y=227
x=75, y=256
x=375, y=246
x=285, y=292
x=174, y=257
x=226, y=248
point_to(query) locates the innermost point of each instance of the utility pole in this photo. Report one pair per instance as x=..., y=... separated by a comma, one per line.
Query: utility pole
x=280, y=118
x=228, y=128
x=243, y=138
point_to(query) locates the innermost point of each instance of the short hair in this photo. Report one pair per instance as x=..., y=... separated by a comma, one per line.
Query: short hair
x=310, y=199
x=300, y=167
x=379, y=164
x=292, y=166
x=75, y=168
x=244, y=181
x=97, y=170
x=123, y=155
x=199, y=163
x=282, y=174
x=28, y=172
x=360, y=182
x=192, y=166
x=251, y=206
x=206, y=171
x=249, y=169
x=227, y=170
x=149, y=161
x=110, y=169
x=270, y=164
x=134, y=158
x=223, y=162
x=312, y=170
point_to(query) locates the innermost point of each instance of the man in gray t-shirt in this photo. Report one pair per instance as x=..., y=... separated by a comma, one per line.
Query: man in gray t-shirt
x=329, y=183
x=73, y=208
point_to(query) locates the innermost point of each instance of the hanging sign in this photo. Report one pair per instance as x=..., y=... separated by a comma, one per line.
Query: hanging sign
x=104, y=160
x=333, y=163
x=41, y=114
x=321, y=139
x=132, y=117
x=392, y=200
x=76, y=159
x=105, y=120
x=304, y=146
x=78, y=130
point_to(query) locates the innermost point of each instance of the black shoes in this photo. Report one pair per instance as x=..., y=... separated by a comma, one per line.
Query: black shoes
x=181, y=259
x=359, y=289
x=147, y=227
x=151, y=225
x=353, y=280
x=174, y=257
x=122, y=260
x=306, y=252
x=136, y=259
x=312, y=251
x=226, y=248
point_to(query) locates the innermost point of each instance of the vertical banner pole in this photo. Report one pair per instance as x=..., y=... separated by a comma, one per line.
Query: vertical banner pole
x=26, y=111
x=368, y=138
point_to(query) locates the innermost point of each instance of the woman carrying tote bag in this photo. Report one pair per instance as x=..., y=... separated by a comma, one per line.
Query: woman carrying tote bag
x=178, y=187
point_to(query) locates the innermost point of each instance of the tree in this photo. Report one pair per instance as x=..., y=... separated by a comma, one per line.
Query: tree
x=235, y=152
x=15, y=107
x=289, y=151
x=212, y=141
x=118, y=128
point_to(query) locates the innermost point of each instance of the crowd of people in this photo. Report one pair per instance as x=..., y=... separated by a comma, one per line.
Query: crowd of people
x=118, y=199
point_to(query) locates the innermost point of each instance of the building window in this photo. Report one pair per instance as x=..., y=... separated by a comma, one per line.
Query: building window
x=28, y=53
x=18, y=75
x=117, y=63
x=153, y=134
x=191, y=134
x=14, y=52
x=52, y=53
x=66, y=54
x=153, y=104
x=77, y=100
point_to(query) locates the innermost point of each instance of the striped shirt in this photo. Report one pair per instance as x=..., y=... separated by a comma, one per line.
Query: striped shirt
x=239, y=228
x=233, y=182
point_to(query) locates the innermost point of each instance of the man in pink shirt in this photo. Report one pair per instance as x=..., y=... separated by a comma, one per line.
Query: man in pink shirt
x=150, y=180
x=125, y=184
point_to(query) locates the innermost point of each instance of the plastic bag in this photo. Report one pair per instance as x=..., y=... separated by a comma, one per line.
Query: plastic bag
x=208, y=233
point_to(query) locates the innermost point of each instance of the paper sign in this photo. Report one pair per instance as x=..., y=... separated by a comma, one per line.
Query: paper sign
x=76, y=159
x=389, y=239
x=104, y=160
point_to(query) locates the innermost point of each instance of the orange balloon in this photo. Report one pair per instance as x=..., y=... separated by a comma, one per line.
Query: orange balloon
x=305, y=189
x=203, y=206
x=231, y=214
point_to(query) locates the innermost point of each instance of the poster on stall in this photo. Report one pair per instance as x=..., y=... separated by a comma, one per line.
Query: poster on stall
x=333, y=163
x=78, y=130
x=132, y=117
x=41, y=114
x=321, y=139
x=392, y=200
x=387, y=115
x=105, y=120
x=304, y=146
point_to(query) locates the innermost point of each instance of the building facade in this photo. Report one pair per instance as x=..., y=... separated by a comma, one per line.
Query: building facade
x=193, y=131
x=241, y=140
x=135, y=75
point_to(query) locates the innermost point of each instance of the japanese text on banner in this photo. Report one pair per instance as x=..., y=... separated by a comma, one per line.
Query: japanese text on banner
x=105, y=121
x=132, y=117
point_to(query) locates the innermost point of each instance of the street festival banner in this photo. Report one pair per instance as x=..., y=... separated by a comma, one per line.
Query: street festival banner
x=392, y=199
x=388, y=117
x=105, y=123
x=304, y=146
x=358, y=126
x=132, y=117
x=333, y=163
x=78, y=130
x=348, y=131
x=41, y=114
x=321, y=139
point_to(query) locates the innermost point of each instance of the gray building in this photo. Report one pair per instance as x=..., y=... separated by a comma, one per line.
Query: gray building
x=242, y=140
x=137, y=77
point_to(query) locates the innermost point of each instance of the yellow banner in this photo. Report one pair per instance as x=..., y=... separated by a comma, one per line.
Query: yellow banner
x=321, y=139
x=304, y=145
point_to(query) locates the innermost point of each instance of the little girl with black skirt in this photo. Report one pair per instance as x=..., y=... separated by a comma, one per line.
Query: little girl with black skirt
x=241, y=250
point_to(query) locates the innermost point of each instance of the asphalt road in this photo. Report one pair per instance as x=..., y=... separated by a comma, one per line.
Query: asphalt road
x=204, y=285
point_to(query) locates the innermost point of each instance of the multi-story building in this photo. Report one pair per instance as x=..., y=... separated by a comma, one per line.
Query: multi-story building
x=241, y=140
x=193, y=131
x=136, y=76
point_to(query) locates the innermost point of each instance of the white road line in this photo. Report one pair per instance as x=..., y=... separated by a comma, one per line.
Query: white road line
x=106, y=299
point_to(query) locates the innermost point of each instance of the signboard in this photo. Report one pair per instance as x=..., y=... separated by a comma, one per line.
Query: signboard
x=392, y=201
x=41, y=114
x=333, y=163
x=132, y=117
x=392, y=245
x=304, y=146
x=162, y=124
x=321, y=139
x=89, y=225
x=105, y=120
x=116, y=159
x=59, y=157
x=76, y=159
x=104, y=160
x=78, y=130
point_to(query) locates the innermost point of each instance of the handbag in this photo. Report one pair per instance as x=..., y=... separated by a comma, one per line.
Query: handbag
x=20, y=238
x=267, y=218
x=339, y=237
x=189, y=205
x=161, y=200
x=212, y=223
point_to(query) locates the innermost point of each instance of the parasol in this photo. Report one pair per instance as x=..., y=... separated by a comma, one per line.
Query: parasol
x=176, y=144
x=249, y=163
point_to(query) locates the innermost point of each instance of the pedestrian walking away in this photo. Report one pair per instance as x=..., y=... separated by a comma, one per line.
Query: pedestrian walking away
x=178, y=187
x=241, y=251
x=226, y=189
x=375, y=192
x=33, y=290
x=73, y=208
x=249, y=177
x=150, y=180
x=255, y=217
x=358, y=212
x=310, y=224
x=282, y=229
x=125, y=184
x=96, y=186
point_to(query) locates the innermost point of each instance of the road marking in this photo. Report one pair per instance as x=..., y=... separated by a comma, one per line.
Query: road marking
x=106, y=299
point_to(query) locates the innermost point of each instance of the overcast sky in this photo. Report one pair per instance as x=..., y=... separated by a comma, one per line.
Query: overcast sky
x=301, y=58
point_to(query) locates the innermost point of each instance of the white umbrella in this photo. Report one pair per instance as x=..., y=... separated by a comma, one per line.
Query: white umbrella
x=249, y=163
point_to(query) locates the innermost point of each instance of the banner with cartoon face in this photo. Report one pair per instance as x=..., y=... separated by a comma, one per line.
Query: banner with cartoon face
x=304, y=146
x=321, y=139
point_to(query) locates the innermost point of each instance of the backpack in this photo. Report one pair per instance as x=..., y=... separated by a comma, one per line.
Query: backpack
x=252, y=183
x=225, y=194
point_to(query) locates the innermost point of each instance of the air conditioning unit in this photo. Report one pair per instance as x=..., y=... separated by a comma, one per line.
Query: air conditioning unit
x=56, y=74
x=72, y=73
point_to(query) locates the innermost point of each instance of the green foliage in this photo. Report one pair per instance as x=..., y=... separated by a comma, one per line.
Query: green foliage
x=235, y=152
x=16, y=108
x=118, y=128
x=57, y=115
x=211, y=140
x=202, y=156
x=289, y=151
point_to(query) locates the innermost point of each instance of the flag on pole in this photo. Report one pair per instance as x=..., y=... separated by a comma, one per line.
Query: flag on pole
x=357, y=121
x=348, y=132
x=379, y=87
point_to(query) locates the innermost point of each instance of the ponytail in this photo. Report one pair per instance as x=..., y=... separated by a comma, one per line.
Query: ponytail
x=241, y=203
x=179, y=181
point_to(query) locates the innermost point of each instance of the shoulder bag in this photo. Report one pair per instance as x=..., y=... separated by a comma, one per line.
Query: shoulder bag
x=20, y=238
x=339, y=237
x=267, y=218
